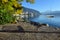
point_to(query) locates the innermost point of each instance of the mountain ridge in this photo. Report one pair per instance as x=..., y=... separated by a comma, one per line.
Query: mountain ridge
x=25, y=9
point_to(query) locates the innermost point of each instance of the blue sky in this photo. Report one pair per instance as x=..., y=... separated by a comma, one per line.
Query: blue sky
x=44, y=5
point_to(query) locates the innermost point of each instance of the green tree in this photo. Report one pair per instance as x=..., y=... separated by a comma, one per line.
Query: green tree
x=10, y=7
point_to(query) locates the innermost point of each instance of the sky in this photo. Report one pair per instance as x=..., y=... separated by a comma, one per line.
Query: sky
x=43, y=5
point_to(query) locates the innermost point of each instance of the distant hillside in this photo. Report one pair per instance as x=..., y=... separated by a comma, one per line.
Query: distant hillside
x=30, y=10
x=35, y=12
x=51, y=13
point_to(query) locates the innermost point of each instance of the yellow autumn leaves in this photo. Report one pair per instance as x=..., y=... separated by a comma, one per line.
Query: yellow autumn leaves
x=3, y=1
x=31, y=1
x=18, y=12
x=16, y=4
x=12, y=0
x=7, y=1
x=10, y=8
x=11, y=3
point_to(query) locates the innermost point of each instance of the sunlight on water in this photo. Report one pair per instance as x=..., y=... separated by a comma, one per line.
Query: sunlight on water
x=52, y=21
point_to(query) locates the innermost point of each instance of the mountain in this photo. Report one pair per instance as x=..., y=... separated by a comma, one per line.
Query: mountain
x=51, y=13
x=29, y=10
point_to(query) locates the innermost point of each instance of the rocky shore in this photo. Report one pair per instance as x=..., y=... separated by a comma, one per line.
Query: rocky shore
x=23, y=26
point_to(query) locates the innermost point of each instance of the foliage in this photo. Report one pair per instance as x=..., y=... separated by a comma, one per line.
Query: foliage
x=8, y=8
x=31, y=1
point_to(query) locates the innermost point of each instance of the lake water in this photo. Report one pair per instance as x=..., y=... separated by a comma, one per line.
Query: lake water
x=53, y=21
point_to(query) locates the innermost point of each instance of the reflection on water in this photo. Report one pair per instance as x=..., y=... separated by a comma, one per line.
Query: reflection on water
x=51, y=20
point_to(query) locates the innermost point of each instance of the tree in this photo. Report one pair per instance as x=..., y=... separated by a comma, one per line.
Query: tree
x=10, y=7
x=31, y=1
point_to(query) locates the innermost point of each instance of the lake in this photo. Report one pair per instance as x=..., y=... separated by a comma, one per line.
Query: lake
x=46, y=19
